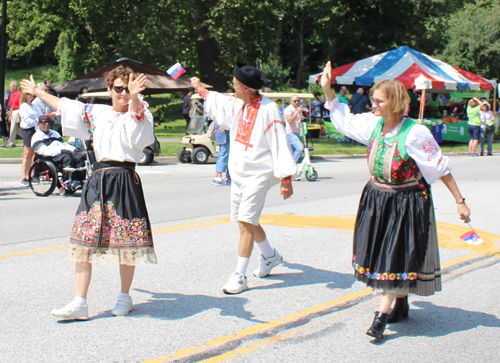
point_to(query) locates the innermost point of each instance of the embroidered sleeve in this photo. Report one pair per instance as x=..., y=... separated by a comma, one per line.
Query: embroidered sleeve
x=203, y=92
x=139, y=115
x=424, y=149
x=60, y=106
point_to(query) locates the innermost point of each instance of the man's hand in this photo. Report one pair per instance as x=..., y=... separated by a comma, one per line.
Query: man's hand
x=196, y=83
x=136, y=86
x=286, y=190
x=300, y=109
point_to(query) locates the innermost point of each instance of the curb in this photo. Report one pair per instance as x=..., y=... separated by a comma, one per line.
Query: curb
x=173, y=159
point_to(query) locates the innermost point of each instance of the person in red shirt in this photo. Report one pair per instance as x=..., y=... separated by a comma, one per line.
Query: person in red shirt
x=14, y=98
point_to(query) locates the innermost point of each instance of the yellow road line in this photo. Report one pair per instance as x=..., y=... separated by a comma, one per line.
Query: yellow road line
x=32, y=252
x=170, y=229
x=269, y=326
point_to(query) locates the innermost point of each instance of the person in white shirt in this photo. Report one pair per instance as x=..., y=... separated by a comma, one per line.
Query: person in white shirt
x=49, y=144
x=111, y=223
x=395, y=237
x=260, y=157
x=294, y=116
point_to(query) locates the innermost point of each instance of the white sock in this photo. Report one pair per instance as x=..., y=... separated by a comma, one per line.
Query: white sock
x=218, y=178
x=123, y=294
x=242, y=265
x=81, y=300
x=265, y=248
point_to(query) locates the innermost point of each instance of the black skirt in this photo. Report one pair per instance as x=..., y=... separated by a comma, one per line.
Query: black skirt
x=395, y=239
x=122, y=234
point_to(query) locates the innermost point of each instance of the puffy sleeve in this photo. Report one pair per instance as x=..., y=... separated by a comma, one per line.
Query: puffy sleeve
x=77, y=119
x=139, y=126
x=424, y=149
x=281, y=153
x=220, y=107
x=358, y=127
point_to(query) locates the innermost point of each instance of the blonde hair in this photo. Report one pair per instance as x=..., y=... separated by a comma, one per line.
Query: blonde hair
x=396, y=93
x=23, y=98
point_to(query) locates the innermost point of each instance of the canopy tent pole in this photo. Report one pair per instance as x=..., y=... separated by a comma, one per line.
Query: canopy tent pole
x=422, y=104
x=494, y=100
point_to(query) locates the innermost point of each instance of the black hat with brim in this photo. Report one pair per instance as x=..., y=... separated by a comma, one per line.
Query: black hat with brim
x=44, y=118
x=249, y=76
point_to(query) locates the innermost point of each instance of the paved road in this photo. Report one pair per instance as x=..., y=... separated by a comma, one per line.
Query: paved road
x=310, y=309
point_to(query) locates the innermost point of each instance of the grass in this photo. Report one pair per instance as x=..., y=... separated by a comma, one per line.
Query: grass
x=39, y=73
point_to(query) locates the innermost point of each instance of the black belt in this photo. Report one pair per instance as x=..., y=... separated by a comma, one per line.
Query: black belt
x=113, y=164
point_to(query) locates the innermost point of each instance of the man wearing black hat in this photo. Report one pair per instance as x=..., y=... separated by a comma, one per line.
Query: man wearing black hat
x=260, y=157
x=50, y=145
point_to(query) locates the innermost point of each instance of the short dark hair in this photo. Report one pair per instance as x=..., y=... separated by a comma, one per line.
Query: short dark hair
x=119, y=72
x=190, y=89
x=317, y=94
x=84, y=88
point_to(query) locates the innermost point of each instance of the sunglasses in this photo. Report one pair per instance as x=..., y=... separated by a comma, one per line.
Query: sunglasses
x=46, y=122
x=294, y=101
x=119, y=89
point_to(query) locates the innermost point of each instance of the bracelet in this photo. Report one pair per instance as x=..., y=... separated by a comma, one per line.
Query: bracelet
x=287, y=180
x=462, y=201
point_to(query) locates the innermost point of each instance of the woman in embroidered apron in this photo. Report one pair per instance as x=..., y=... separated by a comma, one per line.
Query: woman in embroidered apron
x=395, y=238
x=112, y=223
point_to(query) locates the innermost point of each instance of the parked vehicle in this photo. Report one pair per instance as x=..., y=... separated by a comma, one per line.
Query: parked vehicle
x=197, y=146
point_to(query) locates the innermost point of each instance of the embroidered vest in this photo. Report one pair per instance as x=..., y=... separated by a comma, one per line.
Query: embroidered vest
x=388, y=160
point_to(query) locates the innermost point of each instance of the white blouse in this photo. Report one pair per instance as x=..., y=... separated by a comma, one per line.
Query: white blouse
x=420, y=144
x=29, y=116
x=117, y=136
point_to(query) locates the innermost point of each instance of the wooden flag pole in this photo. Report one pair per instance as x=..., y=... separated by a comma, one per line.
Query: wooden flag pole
x=422, y=104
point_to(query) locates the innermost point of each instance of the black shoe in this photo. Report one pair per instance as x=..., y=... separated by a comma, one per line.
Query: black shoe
x=400, y=310
x=378, y=325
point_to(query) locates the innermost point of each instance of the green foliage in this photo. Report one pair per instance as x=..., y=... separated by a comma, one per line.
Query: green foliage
x=287, y=40
x=473, y=35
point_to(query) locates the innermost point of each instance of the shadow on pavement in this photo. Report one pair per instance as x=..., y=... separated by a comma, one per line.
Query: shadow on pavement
x=437, y=321
x=309, y=276
x=171, y=306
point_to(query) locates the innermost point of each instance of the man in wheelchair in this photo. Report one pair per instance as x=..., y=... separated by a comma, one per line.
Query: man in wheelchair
x=49, y=145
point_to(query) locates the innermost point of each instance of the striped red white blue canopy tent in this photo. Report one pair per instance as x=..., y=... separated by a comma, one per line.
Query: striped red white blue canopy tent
x=416, y=70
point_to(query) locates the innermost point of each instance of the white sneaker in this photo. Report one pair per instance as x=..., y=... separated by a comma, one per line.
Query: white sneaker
x=123, y=306
x=235, y=284
x=267, y=264
x=73, y=310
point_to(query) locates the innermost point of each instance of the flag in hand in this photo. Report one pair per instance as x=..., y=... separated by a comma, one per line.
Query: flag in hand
x=176, y=71
x=472, y=238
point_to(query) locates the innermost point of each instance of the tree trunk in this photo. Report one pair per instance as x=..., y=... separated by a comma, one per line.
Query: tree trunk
x=298, y=82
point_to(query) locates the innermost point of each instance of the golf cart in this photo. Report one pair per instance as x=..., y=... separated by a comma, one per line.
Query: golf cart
x=197, y=146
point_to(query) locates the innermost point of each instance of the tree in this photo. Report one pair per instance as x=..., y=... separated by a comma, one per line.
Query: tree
x=473, y=38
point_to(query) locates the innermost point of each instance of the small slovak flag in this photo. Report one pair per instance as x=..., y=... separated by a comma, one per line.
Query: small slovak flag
x=176, y=70
x=471, y=238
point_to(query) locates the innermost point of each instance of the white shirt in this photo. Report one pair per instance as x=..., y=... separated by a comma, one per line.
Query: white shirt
x=29, y=116
x=294, y=125
x=419, y=143
x=117, y=136
x=260, y=151
x=39, y=145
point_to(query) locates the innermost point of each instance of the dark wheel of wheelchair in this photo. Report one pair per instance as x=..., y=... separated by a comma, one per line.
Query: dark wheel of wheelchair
x=313, y=176
x=46, y=173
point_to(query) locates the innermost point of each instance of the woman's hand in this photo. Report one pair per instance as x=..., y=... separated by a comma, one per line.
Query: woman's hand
x=326, y=81
x=463, y=212
x=196, y=83
x=136, y=86
x=28, y=86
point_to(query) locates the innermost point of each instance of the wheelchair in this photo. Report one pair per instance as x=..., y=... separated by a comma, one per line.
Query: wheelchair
x=44, y=176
